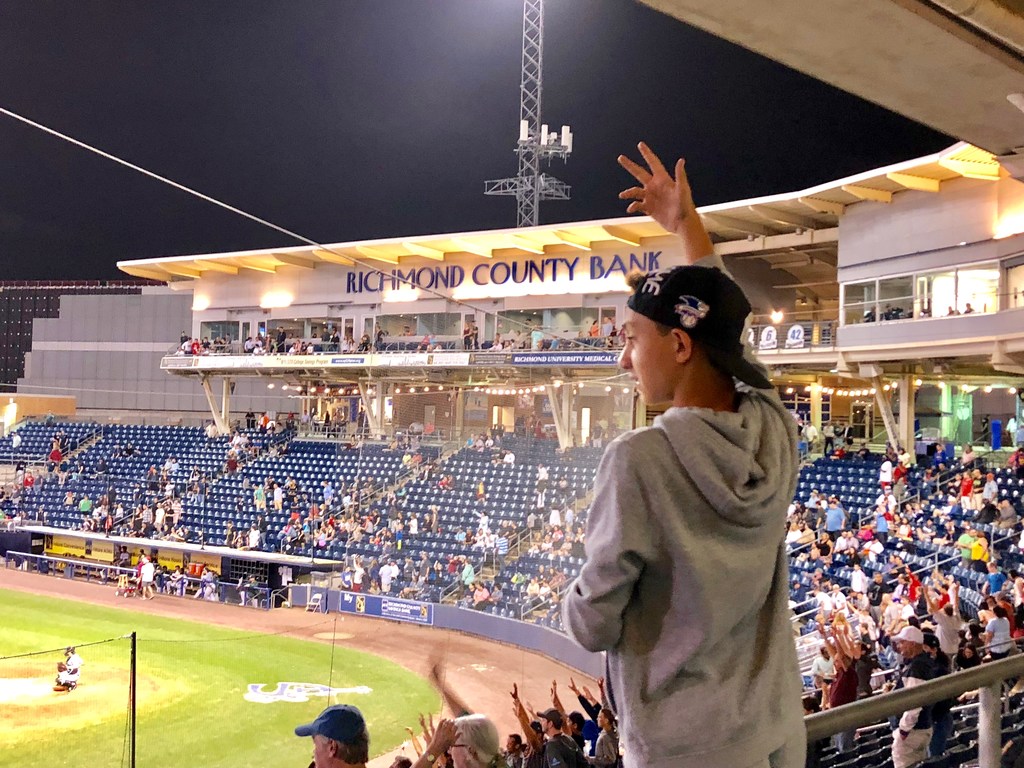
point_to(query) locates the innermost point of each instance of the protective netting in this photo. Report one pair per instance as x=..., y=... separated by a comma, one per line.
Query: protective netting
x=65, y=706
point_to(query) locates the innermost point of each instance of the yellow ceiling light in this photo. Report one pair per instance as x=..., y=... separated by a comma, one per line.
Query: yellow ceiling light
x=199, y=303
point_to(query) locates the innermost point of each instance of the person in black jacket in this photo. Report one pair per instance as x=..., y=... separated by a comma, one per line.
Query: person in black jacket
x=942, y=715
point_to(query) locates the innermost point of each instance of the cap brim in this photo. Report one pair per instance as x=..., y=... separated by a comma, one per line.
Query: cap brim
x=309, y=729
x=737, y=366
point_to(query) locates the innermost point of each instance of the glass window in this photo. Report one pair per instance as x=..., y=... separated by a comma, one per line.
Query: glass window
x=896, y=298
x=977, y=290
x=936, y=294
x=859, y=303
x=1015, y=287
x=219, y=330
x=857, y=293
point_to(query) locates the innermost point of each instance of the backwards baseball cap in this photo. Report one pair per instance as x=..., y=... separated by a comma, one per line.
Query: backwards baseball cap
x=551, y=715
x=707, y=304
x=911, y=634
x=341, y=722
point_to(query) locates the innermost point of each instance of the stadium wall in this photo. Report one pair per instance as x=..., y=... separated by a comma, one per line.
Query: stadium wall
x=521, y=634
x=924, y=230
x=106, y=350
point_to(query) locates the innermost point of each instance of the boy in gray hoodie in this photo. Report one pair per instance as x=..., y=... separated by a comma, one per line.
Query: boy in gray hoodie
x=686, y=580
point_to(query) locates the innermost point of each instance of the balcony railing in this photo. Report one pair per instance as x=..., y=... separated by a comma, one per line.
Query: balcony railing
x=987, y=679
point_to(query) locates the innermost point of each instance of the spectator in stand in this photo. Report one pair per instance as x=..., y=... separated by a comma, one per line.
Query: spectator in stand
x=885, y=474
x=967, y=457
x=340, y=738
x=685, y=345
x=845, y=650
x=911, y=738
x=997, y=634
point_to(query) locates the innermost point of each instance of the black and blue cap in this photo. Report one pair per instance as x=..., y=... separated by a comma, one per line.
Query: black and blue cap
x=342, y=722
x=709, y=306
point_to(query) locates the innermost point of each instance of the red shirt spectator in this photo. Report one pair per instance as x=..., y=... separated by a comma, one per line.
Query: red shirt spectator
x=55, y=456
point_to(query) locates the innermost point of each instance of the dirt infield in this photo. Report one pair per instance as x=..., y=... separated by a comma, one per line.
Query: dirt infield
x=481, y=671
x=28, y=699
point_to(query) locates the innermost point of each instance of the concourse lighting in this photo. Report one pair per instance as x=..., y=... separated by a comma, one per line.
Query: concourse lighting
x=917, y=382
x=270, y=385
x=412, y=390
x=776, y=316
x=875, y=391
x=607, y=389
x=789, y=390
x=1012, y=390
x=884, y=389
x=625, y=390
x=988, y=389
x=807, y=388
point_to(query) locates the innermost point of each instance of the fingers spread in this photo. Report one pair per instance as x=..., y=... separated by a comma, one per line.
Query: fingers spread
x=635, y=207
x=653, y=162
x=636, y=171
x=633, y=193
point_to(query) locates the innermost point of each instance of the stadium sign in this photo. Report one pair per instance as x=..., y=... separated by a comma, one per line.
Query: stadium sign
x=553, y=269
x=386, y=608
x=595, y=357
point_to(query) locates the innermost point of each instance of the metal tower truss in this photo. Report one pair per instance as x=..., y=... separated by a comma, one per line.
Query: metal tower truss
x=529, y=186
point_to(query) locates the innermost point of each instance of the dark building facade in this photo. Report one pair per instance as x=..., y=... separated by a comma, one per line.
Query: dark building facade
x=21, y=301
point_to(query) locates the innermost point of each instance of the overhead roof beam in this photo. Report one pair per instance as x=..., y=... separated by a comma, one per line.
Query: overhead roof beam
x=783, y=217
x=369, y=253
x=422, y=250
x=333, y=258
x=294, y=260
x=822, y=206
x=216, y=266
x=868, y=193
x=622, y=234
x=525, y=244
x=815, y=284
x=473, y=248
x=180, y=270
x=916, y=183
x=575, y=241
x=719, y=221
x=257, y=267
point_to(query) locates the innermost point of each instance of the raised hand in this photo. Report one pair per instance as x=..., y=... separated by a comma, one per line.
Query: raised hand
x=665, y=199
x=573, y=688
x=515, y=692
x=443, y=738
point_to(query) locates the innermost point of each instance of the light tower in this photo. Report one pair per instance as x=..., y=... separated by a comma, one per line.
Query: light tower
x=536, y=142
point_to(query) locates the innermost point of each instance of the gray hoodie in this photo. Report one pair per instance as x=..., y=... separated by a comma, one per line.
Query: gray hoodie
x=686, y=587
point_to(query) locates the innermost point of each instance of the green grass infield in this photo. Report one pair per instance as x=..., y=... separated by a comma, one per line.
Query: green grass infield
x=207, y=696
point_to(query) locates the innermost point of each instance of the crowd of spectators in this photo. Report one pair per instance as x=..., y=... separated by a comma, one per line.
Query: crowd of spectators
x=889, y=617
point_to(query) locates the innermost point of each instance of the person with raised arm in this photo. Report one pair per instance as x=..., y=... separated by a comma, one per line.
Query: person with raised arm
x=685, y=584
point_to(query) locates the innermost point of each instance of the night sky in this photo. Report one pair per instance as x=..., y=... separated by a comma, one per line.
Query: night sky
x=355, y=119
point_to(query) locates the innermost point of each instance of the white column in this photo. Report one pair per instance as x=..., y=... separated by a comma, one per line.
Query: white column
x=218, y=419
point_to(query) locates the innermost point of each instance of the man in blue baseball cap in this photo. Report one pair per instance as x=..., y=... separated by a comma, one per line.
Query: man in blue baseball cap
x=340, y=738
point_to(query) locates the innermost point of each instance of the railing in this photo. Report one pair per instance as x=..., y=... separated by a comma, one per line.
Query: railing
x=795, y=336
x=987, y=678
x=190, y=586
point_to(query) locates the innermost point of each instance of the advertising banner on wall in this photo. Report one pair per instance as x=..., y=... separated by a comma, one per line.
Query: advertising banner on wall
x=386, y=607
x=450, y=358
x=596, y=357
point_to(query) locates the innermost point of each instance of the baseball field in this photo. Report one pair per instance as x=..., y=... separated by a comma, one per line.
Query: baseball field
x=207, y=695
